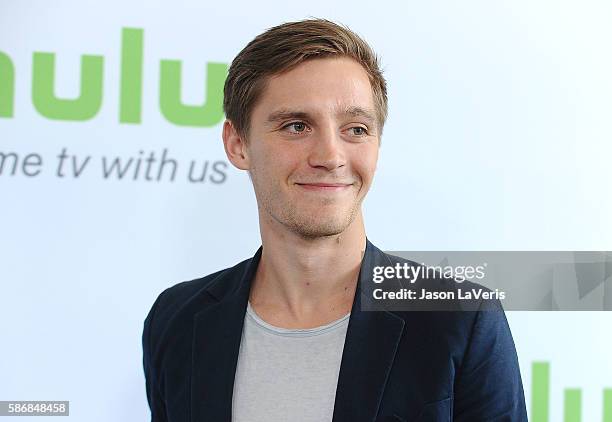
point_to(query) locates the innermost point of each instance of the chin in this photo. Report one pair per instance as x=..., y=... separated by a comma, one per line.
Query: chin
x=311, y=228
x=315, y=232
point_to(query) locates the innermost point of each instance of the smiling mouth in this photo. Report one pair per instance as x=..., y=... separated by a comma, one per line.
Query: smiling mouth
x=327, y=187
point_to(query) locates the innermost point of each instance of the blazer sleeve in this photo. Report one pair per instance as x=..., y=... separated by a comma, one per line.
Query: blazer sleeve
x=154, y=397
x=488, y=385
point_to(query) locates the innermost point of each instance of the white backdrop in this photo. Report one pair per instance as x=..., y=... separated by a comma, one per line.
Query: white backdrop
x=498, y=138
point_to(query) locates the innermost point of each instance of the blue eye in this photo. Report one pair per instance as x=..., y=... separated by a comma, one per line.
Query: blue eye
x=298, y=127
x=360, y=131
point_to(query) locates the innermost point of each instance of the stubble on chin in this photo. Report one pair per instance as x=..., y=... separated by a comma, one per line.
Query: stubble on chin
x=315, y=226
x=279, y=210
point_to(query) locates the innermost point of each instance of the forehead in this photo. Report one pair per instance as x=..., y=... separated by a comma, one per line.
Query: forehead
x=317, y=86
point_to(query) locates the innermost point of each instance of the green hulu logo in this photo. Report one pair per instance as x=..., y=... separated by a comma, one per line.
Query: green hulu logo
x=572, y=400
x=89, y=101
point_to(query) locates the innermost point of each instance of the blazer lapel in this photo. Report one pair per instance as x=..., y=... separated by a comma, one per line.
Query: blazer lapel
x=371, y=342
x=369, y=350
x=216, y=342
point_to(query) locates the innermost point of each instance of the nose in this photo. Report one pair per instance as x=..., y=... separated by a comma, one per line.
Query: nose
x=327, y=151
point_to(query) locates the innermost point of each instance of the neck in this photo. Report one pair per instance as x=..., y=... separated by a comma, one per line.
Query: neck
x=307, y=282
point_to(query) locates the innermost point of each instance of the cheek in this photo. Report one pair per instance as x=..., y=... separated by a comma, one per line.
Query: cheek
x=365, y=164
x=281, y=162
x=271, y=166
x=271, y=152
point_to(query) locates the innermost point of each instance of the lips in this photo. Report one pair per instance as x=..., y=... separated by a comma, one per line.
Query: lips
x=323, y=186
x=331, y=185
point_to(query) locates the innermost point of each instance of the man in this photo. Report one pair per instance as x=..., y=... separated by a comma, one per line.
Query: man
x=282, y=336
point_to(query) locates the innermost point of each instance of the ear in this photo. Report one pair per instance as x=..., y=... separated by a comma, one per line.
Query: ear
x=235, y=146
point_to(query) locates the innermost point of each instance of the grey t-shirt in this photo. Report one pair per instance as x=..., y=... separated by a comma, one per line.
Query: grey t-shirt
x=287, y=374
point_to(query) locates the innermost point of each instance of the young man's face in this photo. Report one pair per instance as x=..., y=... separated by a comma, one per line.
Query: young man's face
x=313, y=146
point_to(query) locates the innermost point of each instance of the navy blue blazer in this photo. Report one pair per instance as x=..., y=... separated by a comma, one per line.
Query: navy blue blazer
x=396, y=366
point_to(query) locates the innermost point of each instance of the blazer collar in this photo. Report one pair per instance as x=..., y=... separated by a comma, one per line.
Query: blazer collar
x=371, y=342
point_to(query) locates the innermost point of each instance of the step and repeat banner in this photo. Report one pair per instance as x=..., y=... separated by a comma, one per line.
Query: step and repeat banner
x=114, y=184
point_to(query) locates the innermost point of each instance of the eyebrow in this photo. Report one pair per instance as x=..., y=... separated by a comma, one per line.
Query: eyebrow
x=353, y=111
